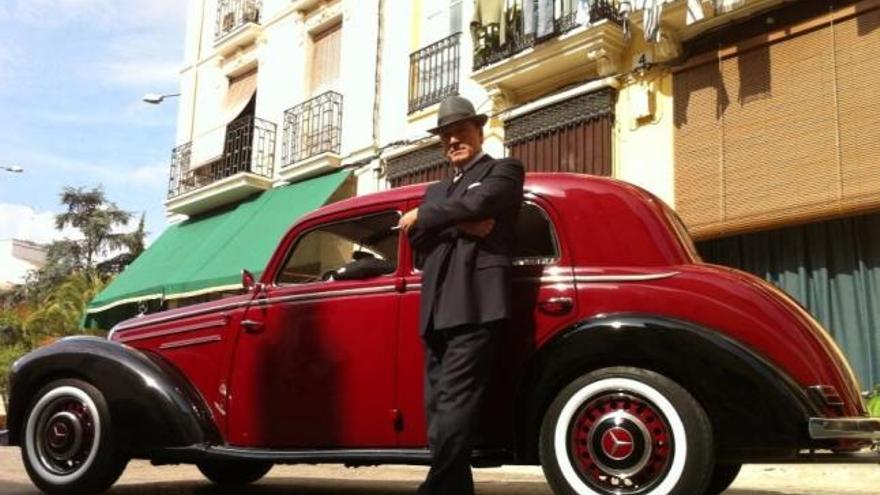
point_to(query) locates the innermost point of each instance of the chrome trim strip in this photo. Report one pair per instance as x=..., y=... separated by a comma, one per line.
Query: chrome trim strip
x=185, y=314
x=188, y=342
x=172, y=331
x=341, y=455
x=326, y=294
x=550, y=279
x=860, y=428
x=639, y=277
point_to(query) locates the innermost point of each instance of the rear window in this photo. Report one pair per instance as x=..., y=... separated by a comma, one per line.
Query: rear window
x=536, y=242
x=682, y=232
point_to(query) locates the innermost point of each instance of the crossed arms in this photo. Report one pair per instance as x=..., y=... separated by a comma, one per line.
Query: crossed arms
x=471, y=214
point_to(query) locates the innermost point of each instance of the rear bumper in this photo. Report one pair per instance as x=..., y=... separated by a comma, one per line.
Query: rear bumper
x=839, y=428
x=4, y=437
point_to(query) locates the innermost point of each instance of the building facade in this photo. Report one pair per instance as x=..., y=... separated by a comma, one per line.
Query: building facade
x=755, y=119
x=17, y=258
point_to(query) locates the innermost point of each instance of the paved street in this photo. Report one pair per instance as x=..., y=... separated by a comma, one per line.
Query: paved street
x=142, y=478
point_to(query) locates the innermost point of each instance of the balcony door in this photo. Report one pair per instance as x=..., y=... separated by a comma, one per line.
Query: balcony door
x=442, y=19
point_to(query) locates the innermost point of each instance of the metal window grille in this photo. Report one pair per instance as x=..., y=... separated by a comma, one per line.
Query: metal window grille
x=433, y=72
x=180, y=163
x=313, y=127
x=422, y=165
x=488, y=49
x=249, y=147
x=232, y=14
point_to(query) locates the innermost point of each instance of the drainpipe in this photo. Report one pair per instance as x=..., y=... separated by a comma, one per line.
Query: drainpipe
x=192, y=120
x=377, y=90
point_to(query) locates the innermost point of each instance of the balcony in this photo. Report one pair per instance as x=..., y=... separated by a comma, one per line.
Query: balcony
x=527, y=64
x=237, y=24
x=312, y=136
x=246, y=167
x=433, y=73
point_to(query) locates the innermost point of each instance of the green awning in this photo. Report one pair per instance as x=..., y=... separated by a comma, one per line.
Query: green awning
x=206, y=253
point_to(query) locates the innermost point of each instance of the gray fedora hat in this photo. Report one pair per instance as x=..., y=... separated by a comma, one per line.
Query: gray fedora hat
x=455, y=109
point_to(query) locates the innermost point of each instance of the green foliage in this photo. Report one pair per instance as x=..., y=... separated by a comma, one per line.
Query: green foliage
x=96, y=218
x=11, y=329
x=874, y=402
x=53, y=300
x=60, y=312
x=8, y=355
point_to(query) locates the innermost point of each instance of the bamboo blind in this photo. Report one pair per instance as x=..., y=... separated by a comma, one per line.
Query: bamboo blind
x=783, y=131
x=325, y=60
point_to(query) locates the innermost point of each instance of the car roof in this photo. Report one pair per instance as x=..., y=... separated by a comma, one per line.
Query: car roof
x=546, y=184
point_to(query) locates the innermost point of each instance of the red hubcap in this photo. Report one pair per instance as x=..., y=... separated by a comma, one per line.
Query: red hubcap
x=620, y=443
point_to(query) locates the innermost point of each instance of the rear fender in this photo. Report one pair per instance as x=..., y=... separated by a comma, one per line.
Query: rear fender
x=152, y=405
x=751, y=403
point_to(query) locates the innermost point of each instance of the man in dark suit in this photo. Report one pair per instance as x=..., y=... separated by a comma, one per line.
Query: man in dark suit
x=465, y=233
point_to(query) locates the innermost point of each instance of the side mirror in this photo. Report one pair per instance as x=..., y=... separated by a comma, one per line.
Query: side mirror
x=249, y=282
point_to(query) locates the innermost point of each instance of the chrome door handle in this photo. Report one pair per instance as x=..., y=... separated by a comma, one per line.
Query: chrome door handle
x=252, y=326
x=556, y=305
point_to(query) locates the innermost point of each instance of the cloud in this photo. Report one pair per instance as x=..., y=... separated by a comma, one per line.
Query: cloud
x=107, y=14
x=147, y=176
x=25, y=223
x=127, y=43
x=141, y=73
x=10, y=59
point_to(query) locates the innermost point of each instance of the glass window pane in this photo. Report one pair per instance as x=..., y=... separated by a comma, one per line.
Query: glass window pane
x=535, y=237
x=359, y=248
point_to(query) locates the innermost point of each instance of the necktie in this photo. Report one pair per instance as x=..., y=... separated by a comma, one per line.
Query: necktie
x=458, y=174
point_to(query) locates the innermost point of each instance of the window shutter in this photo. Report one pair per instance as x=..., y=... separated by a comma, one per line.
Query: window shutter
x=325, y=60
x=780, y=132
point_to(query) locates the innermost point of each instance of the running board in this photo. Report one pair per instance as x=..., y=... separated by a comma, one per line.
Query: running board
x=351, y=457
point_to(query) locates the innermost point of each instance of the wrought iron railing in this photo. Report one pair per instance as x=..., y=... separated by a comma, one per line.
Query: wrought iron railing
x=433, y=72
x=488, y=49
x=313, y=127
x=180, y=163
x=249, y=147
x=232, y=14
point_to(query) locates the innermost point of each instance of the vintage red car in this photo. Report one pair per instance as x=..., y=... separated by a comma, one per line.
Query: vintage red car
x=631, y=366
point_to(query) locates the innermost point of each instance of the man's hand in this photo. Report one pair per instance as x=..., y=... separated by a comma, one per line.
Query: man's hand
x=408, y=220
x=477, y=228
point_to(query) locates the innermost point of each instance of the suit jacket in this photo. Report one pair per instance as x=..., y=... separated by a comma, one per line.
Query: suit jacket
x=466, y=280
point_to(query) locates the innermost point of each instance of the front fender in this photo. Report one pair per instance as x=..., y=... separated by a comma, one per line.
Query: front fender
x=753, y=405
x=152, y=405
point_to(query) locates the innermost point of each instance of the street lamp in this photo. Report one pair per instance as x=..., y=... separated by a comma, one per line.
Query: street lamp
x=14, y=169
x=155, y=99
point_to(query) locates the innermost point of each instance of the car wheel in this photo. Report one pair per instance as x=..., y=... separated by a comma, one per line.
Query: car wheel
x=722, y=477
x=231, y=473
x=626, y=431
x=67, y=440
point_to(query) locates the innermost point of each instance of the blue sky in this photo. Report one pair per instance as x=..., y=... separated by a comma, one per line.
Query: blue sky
x=72, y=74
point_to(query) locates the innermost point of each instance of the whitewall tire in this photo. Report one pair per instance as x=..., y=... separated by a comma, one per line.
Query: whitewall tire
x=626, y=431
x=66, y=441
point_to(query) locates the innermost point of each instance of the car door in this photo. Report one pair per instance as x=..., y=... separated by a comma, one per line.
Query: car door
x=543, y=293
x=314, y=365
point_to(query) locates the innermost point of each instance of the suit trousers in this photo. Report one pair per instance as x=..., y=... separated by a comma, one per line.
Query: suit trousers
x=459, y=363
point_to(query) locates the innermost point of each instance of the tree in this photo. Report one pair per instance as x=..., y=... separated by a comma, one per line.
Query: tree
x=96, y=218
x=134, y=246
x=98, y=221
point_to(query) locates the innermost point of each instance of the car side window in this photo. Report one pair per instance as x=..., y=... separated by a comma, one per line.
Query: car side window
x=535, y=236
x=354, y=249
